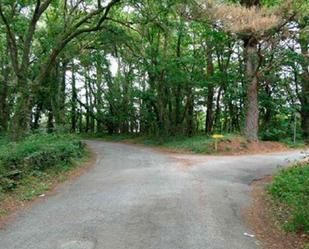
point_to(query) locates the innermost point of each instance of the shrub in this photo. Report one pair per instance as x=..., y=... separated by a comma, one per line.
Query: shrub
x=39, y=152
x=290, y=190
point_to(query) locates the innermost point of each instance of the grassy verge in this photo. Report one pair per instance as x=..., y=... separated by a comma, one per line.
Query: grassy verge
x=290, y=194
x=197, y=144
x=30, y=167
x=202, y=144
x=299, y=144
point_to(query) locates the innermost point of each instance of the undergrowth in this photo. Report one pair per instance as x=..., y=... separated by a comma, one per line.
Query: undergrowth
x=28, y=167
x=290, y=193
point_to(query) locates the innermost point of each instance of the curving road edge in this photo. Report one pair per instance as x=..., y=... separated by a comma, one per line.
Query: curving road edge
x=138, y=198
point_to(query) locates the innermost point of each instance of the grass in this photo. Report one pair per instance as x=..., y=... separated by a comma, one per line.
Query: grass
x=198, y=144
x=201, y=144
x=290, y=193
x=299, y=144
x=30, y=167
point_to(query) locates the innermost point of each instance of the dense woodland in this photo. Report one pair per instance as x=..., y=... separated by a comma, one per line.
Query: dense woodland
x=159, y=68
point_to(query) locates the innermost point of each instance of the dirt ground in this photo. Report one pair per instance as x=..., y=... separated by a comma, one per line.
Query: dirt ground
x=267, y=228
x=239, y=145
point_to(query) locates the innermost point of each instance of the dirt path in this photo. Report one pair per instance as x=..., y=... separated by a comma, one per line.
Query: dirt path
x=139, y=198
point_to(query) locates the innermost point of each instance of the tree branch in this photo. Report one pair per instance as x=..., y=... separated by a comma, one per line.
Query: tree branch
x=11, y=41
x=73, y=33
x=39, y=10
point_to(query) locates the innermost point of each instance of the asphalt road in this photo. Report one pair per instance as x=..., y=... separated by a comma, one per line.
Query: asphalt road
x=138, y=198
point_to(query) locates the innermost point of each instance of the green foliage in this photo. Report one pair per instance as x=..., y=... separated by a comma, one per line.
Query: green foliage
x=290, y=190
x=157, y=69
x=201, y=144
x=298, y=144
x=36, y=154
x=197, y=144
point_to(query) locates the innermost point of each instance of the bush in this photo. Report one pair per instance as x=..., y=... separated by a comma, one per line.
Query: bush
x=290, y=190
x=273, y=134
x=36, y=153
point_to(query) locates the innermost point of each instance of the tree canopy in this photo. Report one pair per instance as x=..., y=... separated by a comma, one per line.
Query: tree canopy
x=155, y=67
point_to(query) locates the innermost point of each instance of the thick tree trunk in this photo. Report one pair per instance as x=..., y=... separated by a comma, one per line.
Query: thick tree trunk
x=252, y=109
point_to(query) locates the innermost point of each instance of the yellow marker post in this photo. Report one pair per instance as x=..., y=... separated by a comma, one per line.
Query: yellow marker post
x=217, y=137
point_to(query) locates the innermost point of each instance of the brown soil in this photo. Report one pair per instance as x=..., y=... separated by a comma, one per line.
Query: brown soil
x=239, y=145
x=268, y=229
x=11, y=204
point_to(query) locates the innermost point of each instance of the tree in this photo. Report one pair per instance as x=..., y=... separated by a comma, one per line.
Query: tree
x=156, y=68
x=304, y=99
x=20, y=42
x=252, y=24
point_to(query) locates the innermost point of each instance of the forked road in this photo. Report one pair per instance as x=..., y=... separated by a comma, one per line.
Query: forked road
x=138, y=198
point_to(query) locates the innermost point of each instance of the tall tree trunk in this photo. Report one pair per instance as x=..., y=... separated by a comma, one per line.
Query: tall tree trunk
x=73, y=101
x=37, y=116
x=4, y=112
x=268, y=107
x=80, y=120
x=210, y=92
x=125, y=128
x=163, y=96
x=305, y=86
x=50, y=121
x=252, y=109
x=218, y=108
x=88, y=104
x=92, y=117
x=60, y=113
x=190, y=112
x=98, y=99
x=177, y=88
x=22, y=110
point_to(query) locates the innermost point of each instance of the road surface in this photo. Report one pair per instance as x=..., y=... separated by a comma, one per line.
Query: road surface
x=139, y=198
